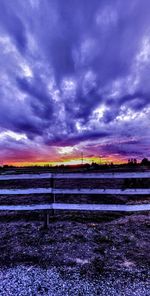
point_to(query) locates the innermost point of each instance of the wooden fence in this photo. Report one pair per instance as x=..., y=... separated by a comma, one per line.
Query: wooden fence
x=78, y=191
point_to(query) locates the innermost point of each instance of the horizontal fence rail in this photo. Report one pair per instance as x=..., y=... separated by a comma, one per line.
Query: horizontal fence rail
x=102, y=175
x=75, y=191
x=25, y=176
x=25, y=191
x=77, y=176
x=102, y=191
x=78, y=207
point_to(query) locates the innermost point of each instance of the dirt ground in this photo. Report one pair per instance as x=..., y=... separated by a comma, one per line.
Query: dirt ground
x=94, y=243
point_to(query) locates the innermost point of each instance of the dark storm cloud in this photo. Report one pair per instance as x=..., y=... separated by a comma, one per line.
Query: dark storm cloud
x=136, y=102
x=126, y=149
x=77, y=139
x=18, y=118
x=10, y=20
x=75, y=70
x=41, y=102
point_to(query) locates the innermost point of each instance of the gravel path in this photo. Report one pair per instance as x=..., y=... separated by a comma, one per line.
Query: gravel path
x=26, y=281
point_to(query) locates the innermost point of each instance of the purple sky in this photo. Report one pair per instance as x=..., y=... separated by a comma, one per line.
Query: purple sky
x=74, y=77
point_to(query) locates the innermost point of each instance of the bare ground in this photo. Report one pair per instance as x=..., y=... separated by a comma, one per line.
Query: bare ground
x=94, y=244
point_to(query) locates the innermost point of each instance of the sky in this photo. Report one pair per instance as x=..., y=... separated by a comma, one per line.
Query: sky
x=74, y=79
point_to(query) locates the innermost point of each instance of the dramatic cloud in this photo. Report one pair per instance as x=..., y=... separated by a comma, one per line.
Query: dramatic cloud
x=74, y=78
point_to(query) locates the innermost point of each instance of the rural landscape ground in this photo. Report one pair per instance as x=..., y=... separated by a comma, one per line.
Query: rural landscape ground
x=81, y=253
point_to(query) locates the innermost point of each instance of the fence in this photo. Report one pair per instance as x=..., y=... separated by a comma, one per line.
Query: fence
x=78, y=191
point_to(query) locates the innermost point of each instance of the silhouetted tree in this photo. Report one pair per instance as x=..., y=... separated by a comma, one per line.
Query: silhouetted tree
x=145, y=161
x=132, y=161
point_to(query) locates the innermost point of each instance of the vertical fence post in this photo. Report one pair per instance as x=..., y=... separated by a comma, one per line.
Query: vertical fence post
x=46, y=220
x=52, y=194
x=46, y=216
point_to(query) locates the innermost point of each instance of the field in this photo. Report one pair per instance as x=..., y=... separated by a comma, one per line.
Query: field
x=91, y=244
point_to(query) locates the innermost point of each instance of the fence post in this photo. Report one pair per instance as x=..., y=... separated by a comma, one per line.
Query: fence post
x=46, y=220
x=46, y=216
x=52, y=194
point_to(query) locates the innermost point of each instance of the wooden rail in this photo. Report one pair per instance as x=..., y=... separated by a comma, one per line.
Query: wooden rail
x=77, y=207
x=75, y=191
x=131, y=175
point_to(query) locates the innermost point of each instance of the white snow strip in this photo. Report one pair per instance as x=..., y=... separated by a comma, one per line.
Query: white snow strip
x=25, y=191
x=78, y=207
